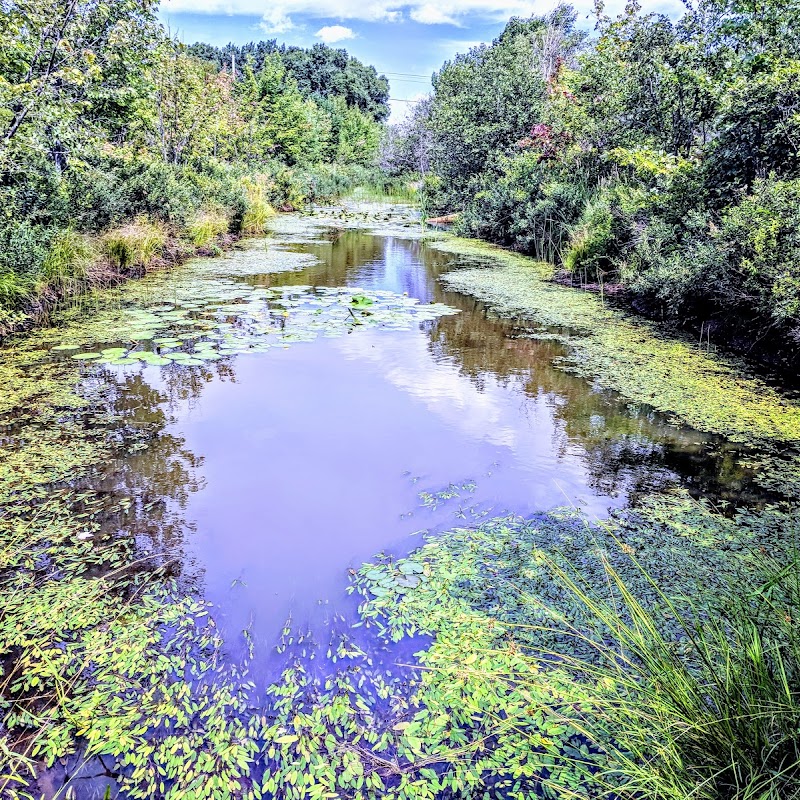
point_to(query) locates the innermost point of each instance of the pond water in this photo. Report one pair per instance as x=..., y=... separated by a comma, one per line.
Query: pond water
x=315, y=398
x=277, y=471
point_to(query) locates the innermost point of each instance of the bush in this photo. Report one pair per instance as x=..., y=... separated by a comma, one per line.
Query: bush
x=120, y=186
x=674, y=269
x=740, y=269
x=218, y=185
x=135, y=244
x=606, y=231
x=761, y=239
x=23, y=248
x=530, y=207
x=591, y=241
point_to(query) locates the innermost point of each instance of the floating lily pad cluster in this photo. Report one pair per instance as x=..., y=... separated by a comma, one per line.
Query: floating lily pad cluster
x=220, y=318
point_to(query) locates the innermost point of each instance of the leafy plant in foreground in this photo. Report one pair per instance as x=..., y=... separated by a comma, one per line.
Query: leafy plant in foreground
x=712, y=714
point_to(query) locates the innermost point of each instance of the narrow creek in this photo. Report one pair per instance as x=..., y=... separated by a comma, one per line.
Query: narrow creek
x=317, y=397
x=279, y=470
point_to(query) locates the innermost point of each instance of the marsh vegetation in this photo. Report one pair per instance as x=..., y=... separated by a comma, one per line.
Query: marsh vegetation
x=330, y=504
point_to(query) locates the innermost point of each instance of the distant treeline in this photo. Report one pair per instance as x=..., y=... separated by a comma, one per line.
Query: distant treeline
x=656, y=155
x=320, y=71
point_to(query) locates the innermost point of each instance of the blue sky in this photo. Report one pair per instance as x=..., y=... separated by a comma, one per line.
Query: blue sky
x=407, y=41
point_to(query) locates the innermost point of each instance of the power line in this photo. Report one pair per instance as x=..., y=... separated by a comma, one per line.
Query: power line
x=408, y=75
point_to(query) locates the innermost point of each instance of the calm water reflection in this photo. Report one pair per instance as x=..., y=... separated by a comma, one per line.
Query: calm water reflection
x=275, y=472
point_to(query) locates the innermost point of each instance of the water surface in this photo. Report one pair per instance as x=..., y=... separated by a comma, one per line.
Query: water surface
x=277, y=471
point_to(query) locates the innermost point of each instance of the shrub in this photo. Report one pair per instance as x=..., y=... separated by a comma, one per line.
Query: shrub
x=530, y=206
x=23, y=248
x=120, y=186
x=218, y=185
x=290, y=189
x=206, y=226
x=607, y=229
x=675, y=269
x=135, y=244
x=761, y=239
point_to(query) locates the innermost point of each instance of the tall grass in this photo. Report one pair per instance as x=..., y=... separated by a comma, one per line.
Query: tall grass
x=13, y=289
x=206, y=226
x=590, y=240
x=258, y=209
x=135, y=244
x=68, y=260
x=711, y=715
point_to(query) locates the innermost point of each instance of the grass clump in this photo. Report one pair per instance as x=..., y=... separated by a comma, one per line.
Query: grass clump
x=711, y=715
x=590, y=241
x=13, y=289
x=69, y=258
x=258, y=210
x=206, y=226
x=136, y=244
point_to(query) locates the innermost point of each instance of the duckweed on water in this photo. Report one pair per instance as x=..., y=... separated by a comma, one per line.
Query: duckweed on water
x=705, y=390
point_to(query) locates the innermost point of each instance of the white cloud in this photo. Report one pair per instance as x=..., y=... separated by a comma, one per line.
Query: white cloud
x=334, y=33
x=429, y=14
x=276, y=21
x=280, y=17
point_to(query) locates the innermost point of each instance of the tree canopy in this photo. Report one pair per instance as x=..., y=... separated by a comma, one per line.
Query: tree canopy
x=660, y=155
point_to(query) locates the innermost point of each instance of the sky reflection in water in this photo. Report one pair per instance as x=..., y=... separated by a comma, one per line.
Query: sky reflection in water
x=289, y=466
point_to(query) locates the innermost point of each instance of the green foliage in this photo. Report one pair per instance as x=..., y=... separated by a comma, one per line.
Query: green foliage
x=529, y=206
x=591, y=240
x=355, y=136
x=320, y=72
x=740, y=268
x=136, y=244
x=639, y=159
x=488, y=100
x=760, y=237
x=104, y=119
x=206, y=226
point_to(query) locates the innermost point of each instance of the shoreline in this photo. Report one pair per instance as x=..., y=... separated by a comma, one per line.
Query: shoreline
x=103, y=274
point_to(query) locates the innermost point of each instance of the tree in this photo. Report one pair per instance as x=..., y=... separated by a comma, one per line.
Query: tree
x=65, y=60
